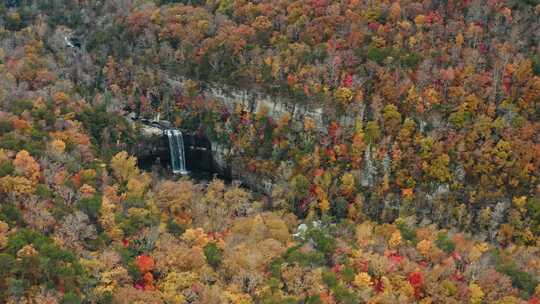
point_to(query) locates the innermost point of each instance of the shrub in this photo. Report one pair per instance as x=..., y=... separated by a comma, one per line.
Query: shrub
x=19, y=106
x=175, y=228
x=213, y=254
x=375, y=54
x=313, y=258
x=5, y=126
x=373, y=132
x=343, y=295
x=444, y=243
x=134, y=203
x=329, y=278
x=71, y=298
x=189, y=2
x=314, y=300
x=38, y=135
x=137, y=219
x=275, y=268
x=44, y=192
x=6, y=168
x=348, y=274
x=90, y=206
x=10, y=142
x=533, y=211
x=11, y=214
x=536, y=65
x=323, y=241
x=520, y=279
x=411, y=60
x=406, y=232
x=7, y=263
x=339, y=208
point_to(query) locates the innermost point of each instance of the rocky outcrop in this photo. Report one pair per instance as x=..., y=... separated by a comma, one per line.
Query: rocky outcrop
x=253, y=101
x=200, y=153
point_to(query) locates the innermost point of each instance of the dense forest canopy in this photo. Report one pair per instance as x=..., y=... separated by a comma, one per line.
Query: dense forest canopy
x=418, y=181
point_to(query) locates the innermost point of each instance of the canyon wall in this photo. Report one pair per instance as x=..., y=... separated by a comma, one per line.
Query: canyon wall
x=253, y=101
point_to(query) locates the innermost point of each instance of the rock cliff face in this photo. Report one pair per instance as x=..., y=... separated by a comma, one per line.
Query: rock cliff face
x=253, y=101
x=201, y=155
x=276, y=106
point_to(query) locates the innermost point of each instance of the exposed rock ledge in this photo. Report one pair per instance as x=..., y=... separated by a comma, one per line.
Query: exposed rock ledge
x=253, y=101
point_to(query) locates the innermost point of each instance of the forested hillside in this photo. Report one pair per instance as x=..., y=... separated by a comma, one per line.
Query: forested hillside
x=418, y=182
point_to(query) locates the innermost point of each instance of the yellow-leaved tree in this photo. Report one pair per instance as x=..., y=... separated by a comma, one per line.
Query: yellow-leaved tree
x=17, y=185
x=124, y=166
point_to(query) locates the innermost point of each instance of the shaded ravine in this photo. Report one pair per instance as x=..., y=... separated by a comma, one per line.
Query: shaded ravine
x=204, y=159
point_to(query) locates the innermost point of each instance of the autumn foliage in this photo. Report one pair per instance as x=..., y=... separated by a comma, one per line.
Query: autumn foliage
x=392, y=147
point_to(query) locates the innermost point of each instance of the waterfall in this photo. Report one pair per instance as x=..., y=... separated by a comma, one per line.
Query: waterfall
x=176, y=147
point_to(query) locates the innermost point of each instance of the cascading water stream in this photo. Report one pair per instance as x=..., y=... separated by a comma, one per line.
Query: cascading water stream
x=176, y=147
